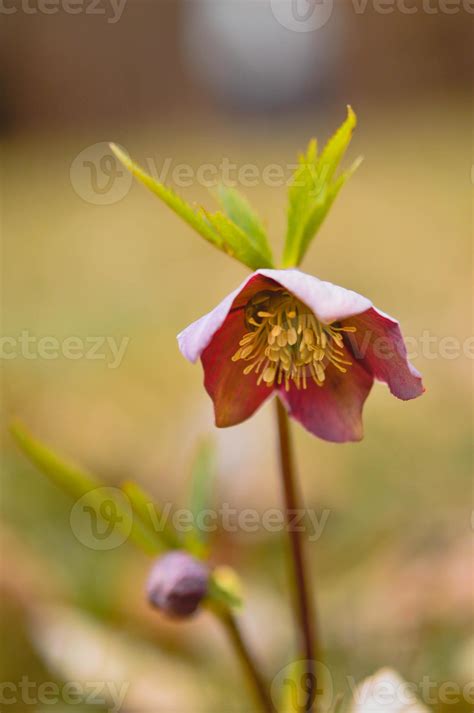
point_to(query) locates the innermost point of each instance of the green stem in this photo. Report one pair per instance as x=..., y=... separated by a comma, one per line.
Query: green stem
x=305, y=616
x=249, y=665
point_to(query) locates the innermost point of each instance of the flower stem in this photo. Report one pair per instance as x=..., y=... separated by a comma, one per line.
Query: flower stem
x=256, y=679
x=305, y=616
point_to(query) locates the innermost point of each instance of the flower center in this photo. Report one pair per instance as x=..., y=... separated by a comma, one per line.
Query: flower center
x=286, y=342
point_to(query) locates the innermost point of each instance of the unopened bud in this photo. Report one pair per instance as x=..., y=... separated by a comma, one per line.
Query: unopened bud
x=177, y=584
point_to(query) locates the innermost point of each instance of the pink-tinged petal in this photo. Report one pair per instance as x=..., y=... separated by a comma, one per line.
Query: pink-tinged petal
x=235, y=396
x=378, y=343
x=195, y=338
x=332, y=411
x=328, y=302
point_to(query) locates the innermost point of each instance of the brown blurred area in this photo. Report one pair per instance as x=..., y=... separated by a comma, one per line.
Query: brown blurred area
x=194, y=83
x=63, y=70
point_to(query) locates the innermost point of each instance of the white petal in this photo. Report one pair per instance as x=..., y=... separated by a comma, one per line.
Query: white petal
x=328, y=302
x=194, y=339
x=386, y=692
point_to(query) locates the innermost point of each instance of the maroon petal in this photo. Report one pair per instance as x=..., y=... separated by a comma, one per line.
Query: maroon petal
x=235, y=396
x=197, y=336
x=332, y=411
x=378, y=343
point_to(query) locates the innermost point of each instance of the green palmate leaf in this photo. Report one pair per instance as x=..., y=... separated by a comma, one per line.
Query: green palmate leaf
x=314, y=189
x=152, y=517
x=236, y=241
x=322, y=205
x=81, y=485
x=301, y=193
x=336, y=146
x=218, y=229
x=202, y=497
x=240, y=212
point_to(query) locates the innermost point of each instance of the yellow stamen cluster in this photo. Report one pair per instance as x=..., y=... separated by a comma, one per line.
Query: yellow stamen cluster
x=286, y=342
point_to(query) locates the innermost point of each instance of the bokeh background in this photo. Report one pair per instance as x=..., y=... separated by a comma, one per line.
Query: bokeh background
x=88, y=254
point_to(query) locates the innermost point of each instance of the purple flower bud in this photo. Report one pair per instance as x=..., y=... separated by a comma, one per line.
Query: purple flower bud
x=177, y=583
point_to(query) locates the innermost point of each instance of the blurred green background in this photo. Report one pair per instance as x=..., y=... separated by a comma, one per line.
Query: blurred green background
x=392, y=567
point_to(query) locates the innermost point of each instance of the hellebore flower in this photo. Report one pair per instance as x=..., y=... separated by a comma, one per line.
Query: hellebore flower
x=317, y=345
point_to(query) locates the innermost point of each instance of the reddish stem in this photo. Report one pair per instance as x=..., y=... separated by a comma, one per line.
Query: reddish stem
x=304, y=613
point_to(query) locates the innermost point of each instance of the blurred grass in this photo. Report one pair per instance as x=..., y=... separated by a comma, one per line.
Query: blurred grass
x=391, y=564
